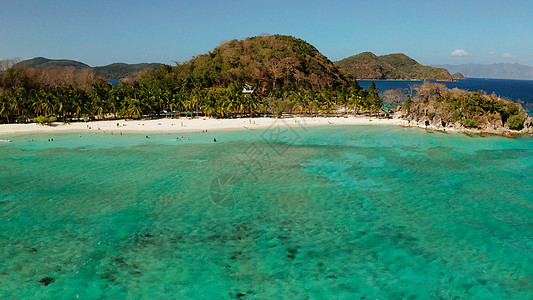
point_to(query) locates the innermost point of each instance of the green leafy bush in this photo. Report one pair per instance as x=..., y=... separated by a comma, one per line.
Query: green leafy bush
x=431, y=115
x=456, y=116
x=515, y=122
x=512, y=109
x=470, y=123
x=43, y=119
x=407, y=103
x=40, y=119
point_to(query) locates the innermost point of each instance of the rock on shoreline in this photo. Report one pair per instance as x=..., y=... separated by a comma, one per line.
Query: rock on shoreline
x=438, y=124
x=436, y=107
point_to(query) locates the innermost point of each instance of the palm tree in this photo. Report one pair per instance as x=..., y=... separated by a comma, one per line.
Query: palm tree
x=179, y=101
x=232, y=100
x=253, y=102
x=195, y=99
x=62, y=98
x=209, y=103
x=298, y=100
x=5, y=108
x=309, y=98
x=19, y=97
x=42, y=104
x=99, y=96
x=112, y=104
x=133, y=107
x=375, y=102
x=360, y=101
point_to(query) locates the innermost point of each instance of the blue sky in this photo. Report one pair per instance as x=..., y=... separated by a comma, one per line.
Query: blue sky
x=433, y=32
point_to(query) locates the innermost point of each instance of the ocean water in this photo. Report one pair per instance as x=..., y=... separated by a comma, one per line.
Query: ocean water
x=516, y=90
x=353, y=212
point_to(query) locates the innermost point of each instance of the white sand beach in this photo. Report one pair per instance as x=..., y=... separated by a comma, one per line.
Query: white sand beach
x=195, y=124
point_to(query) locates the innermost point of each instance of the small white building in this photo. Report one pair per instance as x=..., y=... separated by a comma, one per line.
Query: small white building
x=247, y=89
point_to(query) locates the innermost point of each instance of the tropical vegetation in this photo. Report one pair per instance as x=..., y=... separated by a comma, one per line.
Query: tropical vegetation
x=436, y=103
x=397, y=66
x=287, y=74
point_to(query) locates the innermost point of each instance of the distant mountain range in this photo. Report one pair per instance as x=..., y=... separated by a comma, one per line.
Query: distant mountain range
x=112, y=71
x=397, y=66
x=43, y=63
x=361, y=66
x=499, y=71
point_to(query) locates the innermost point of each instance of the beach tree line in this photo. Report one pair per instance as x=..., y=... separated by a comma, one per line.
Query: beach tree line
x=66, y=94
x=288, y=75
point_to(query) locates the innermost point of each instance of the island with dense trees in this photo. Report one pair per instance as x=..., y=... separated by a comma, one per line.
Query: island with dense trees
x=287, y=75
x=368, y=66
x=458, y=76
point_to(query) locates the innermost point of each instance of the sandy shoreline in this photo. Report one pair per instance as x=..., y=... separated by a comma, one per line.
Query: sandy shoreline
x=188, y=125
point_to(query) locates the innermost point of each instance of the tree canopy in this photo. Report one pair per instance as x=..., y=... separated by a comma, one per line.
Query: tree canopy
x=287, y=74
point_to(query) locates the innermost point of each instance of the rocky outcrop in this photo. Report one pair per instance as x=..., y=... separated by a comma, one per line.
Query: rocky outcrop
x=458, y=76
x=438, y=108
x=441, y=125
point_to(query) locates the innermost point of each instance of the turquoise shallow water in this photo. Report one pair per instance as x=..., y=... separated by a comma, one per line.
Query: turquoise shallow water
x=318, y=213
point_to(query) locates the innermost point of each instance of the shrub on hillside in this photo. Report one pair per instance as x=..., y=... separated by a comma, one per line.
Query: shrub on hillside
x=515, y=122
x=470, y=123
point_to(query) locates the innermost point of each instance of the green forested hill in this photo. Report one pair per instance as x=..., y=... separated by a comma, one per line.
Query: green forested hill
x=43, y=63
x=122, y=70
x=112, y=71
x=398, y=66
x=265, y=62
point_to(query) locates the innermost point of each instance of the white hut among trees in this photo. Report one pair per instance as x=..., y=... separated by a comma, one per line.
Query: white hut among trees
x=247, y=89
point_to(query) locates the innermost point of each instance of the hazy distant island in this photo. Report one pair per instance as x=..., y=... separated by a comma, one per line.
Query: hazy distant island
x=497, y=71
x=458, y=76
x=263, y=76
x=368, y=66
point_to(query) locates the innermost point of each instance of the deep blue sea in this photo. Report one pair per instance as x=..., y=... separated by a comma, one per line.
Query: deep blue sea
x=507, y=88
x=113, y=81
